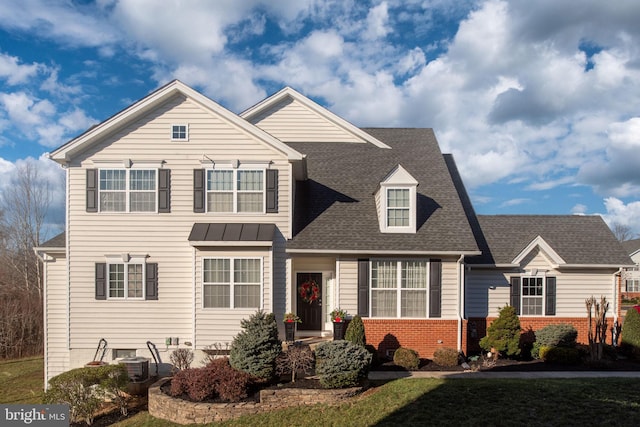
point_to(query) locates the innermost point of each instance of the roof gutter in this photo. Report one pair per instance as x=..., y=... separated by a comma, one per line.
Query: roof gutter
x=380, y=252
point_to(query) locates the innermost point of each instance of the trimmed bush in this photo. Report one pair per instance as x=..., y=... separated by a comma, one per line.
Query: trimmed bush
x=217, y=380
x=406, y=358
x=560, y=355
x=255, y=349
x=504, y=333
x=341, y=364
x=355, y=332
x=630, y=336
x=84, y=390
x=446, y=356
x=560, y=335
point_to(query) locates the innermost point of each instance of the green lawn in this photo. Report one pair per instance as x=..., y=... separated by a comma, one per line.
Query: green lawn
x=424, y=402
x=21, y=380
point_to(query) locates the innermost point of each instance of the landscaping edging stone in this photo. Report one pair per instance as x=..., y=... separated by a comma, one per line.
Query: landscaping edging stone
x=184, y=412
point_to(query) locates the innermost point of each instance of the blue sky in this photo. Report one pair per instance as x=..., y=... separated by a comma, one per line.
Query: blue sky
x=538, y=101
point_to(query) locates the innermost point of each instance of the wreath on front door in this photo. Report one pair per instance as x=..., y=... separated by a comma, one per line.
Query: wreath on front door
x=309, y=291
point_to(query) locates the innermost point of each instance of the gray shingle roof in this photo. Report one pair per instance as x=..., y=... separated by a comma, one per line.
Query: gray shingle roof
x=336, y=209
x=576, y=239
x=631, y=246
x=58, y=241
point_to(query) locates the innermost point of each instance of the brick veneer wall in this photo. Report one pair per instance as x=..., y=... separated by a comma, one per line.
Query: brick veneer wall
x=421, y=335
x=477, y=328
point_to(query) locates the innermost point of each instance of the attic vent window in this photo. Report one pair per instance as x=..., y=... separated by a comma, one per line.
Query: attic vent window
x=179, y=133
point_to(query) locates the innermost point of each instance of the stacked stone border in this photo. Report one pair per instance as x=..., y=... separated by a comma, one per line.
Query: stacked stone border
x=184, y=412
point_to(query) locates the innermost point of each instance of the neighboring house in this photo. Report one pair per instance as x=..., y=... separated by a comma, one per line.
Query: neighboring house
x=184, y=218
x=631, y=288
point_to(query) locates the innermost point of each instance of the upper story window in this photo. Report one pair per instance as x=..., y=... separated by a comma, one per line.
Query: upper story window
x=179, y=132
x=128, y=190
x=235, y=190
x=126, y=280
x=396, y=201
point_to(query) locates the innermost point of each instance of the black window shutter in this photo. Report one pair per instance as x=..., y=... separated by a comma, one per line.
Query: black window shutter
x=272, y=191
x=151, y=284
x=164, y=191
x=515, y=294
x=363, y=287
x=92, y=190
x=101, y=280
x=435, y=288
x=550, y=297
x=198, y=190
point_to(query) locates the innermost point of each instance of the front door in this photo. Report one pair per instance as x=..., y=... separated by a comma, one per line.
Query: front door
x=309, y=301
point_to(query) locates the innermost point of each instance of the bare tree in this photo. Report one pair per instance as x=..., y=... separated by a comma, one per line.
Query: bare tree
x=24, y=206
x=621, y=231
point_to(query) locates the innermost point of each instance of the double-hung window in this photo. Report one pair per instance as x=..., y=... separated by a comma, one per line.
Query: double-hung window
x=235, y=190
x=633, y=285
x=125, y=280
x=532, y=296
x=399, y=288
x=398, y=207
x=232, y=282
x=128, y=190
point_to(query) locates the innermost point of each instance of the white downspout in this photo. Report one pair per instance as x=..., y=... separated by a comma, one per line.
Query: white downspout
x=615, y=292
x=460, y=299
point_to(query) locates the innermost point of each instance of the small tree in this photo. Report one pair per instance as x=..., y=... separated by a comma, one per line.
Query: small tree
x=297, y=358
x=631, y=332
x=255, y=349
x=355, y=332
x=597, y=326
x=504, y=333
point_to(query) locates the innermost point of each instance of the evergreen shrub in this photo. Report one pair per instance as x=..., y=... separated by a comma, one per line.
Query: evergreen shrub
x=341, y=364
x=504, y=333
x=446, y=356
x=355, y=332
x=255, y=349
x=406, y=358
x=630, y=336
x=560, y=335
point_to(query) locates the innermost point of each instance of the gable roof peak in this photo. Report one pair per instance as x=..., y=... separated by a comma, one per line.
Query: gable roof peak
x=399, y=175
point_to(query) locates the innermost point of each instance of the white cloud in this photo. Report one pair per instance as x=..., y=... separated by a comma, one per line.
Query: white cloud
x=377, y=22
x=620, y=213
x=15, y=73
x=579, y=209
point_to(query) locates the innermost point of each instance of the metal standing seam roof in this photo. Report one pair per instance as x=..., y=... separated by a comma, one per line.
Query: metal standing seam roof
x=336, y=210
x=232, y=232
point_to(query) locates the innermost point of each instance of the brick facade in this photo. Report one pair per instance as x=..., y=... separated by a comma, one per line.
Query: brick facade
x=421, y=335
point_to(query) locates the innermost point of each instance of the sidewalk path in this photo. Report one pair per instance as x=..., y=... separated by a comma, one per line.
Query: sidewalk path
x=391, y=375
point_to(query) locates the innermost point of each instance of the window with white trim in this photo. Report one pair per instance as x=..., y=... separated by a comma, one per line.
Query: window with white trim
x=399, y=288
x=128, y=190
x=398, y=207
x=235, y=190
x=532, y=296
x=125, y=280
x=231, y=282
x=179, y=132
x=633, y=285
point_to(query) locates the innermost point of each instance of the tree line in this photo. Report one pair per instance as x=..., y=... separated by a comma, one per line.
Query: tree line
x=24, y=205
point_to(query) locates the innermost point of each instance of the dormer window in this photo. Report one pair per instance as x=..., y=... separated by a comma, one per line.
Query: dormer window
x=179, y=132
x=396, y=201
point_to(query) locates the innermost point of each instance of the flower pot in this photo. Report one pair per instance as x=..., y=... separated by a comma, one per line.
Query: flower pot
x=289, y=331
x=339, y=329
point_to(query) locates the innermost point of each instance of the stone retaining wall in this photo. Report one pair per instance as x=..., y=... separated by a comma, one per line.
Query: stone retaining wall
x=185, y=412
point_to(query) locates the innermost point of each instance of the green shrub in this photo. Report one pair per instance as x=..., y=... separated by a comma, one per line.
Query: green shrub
x=84, y=390
x=630, y=336
x=255, y=349
x=561, y=355
x=560, y=335
x=355, y=332
x=406, y=358
x=216, y=380
x=504, y=333
x=446, y=356
x=341, y=364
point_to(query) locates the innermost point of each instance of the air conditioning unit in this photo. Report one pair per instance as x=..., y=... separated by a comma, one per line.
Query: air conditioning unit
x=137, y=368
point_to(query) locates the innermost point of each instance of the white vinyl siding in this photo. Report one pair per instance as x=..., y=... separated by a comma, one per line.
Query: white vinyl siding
x=163, y=239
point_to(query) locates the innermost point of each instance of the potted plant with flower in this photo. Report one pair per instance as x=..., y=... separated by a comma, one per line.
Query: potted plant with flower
x=339, y=319
x=290, y=319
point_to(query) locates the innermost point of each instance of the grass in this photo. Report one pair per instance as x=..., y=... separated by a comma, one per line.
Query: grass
x=21, y=380
x=424, y=402
x=464, y=402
